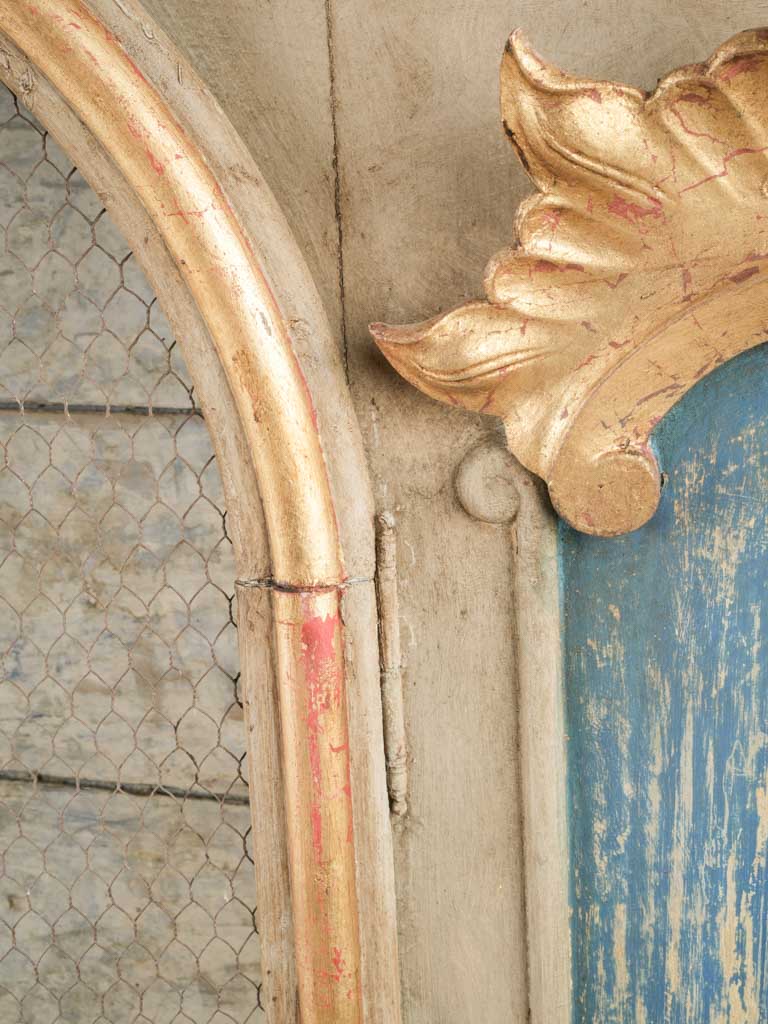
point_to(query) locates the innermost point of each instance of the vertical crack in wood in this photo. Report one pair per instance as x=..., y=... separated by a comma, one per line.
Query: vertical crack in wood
x=395, y=751
x=337, y=184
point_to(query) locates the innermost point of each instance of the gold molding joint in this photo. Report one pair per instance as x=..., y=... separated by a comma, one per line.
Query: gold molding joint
x=641, y=265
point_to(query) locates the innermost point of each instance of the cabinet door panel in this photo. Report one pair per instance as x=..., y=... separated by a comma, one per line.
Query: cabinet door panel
x=667, y=721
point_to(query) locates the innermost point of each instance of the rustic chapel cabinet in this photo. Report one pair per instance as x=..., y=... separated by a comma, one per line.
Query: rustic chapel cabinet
x=332, y=699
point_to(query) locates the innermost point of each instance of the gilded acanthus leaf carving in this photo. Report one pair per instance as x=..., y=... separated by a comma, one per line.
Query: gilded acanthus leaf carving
x=639, y=267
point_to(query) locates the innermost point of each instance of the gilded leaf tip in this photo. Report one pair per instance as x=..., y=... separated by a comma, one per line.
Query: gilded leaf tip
x=650, y=222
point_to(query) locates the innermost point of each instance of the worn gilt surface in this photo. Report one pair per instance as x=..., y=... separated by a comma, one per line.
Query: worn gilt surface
x=639, y=268
x=217, y=260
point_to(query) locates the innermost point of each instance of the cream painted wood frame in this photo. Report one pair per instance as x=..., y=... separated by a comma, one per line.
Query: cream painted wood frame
x=179, y=183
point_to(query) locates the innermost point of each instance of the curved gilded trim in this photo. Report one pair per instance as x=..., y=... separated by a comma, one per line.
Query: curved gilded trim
x=88, y=66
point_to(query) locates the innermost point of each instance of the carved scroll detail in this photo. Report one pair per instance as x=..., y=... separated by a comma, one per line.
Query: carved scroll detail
x=641, y=265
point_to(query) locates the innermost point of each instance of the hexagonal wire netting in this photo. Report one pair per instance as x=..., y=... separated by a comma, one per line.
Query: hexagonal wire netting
x=126, y=885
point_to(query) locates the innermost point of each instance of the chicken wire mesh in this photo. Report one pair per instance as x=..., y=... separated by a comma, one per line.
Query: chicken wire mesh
x=126, y=883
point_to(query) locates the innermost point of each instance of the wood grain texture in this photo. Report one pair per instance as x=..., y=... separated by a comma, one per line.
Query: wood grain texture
x=260, y=701
x=543, y=755
x=667, y=708
x=109, y=924
x=404, y=186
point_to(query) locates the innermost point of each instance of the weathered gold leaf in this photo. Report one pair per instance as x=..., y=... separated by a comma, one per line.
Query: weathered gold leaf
x=637, y=269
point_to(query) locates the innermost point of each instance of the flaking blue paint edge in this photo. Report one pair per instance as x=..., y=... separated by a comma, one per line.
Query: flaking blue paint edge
x=612, y=870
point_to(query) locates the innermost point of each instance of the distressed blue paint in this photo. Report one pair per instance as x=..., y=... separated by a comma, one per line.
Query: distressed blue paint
x=667, y=717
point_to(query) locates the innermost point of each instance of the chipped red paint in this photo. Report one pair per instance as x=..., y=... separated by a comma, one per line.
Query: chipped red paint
x=186, y=214
x=552, y=218
x=743, y=151
x=694, y=97
x=692, y=131
x=84, y=14
x=91, y=56
x=159, y=168
x=487, y=405
x=546, y=267
x=668, y=389
x=339, y=963
x=155, y=164
x=744, y=275
x=634, y=212
x=587, y=361
x=310, y=402
x=323, y=683
x=614, y=284
x=321, y=818
x=738, y=67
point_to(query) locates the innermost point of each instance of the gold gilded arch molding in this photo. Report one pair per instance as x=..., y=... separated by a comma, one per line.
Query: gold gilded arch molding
x=173, y=173
x=640, y=268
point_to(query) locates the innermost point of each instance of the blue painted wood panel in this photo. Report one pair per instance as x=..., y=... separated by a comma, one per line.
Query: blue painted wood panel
x=667, y=715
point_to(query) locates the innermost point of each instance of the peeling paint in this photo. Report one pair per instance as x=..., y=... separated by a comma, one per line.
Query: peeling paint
x=668, y=728
x=323, y=681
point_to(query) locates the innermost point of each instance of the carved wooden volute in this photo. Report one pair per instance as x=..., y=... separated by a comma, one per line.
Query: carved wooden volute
x=640, y=267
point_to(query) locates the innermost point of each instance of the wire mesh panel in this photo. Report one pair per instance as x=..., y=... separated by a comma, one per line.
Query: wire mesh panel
x=126, y=884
